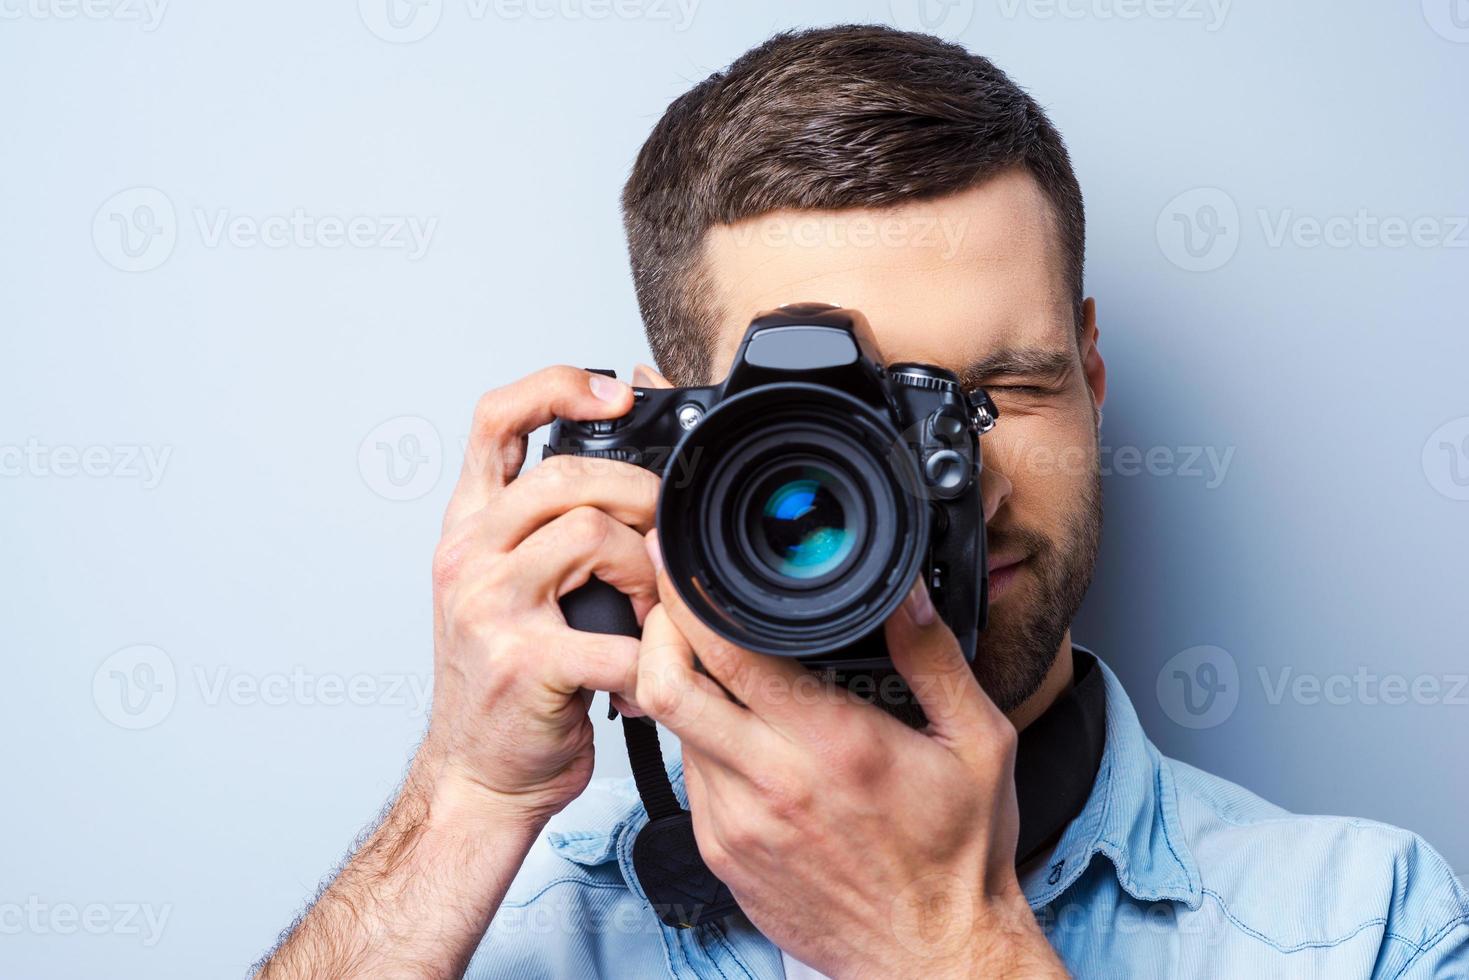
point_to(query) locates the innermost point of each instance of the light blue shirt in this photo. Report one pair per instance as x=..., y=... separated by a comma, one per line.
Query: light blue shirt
x=1167, y=872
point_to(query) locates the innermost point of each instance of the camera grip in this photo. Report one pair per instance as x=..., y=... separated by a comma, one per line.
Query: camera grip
x=599, y=608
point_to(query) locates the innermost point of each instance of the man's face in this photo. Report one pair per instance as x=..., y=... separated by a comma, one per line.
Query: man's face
x=972, y=282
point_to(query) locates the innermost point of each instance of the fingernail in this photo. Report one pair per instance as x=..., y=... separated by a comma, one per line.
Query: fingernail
x=642, y=376
x=607, y=389
x=655, y=553
x=919, y=606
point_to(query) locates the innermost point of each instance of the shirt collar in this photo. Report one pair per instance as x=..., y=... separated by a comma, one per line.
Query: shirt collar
x=1130, y=818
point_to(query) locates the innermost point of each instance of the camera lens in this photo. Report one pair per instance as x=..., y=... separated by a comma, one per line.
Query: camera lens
x=786, y=521
x=798, y=524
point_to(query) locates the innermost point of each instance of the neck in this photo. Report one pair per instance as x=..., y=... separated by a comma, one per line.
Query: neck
x=1056, y=683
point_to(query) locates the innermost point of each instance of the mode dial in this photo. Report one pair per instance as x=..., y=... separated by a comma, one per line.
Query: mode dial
x=922, y=376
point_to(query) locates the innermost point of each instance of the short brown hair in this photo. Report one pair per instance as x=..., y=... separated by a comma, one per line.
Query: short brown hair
x=839, y=117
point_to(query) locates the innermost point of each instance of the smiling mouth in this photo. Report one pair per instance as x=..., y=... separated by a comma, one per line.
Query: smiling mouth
x=1002, y=575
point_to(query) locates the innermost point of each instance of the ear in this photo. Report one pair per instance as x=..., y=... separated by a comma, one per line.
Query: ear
x=1092, y=364
x=644, y=376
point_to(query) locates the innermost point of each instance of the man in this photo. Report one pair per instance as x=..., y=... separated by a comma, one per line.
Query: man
x=906, y=178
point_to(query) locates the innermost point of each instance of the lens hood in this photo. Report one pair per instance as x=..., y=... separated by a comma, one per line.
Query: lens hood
x=718, y=478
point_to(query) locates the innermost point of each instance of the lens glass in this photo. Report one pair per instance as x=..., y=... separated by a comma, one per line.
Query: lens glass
x=801, y=531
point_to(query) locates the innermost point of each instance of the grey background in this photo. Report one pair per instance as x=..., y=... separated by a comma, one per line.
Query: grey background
x=270, y=553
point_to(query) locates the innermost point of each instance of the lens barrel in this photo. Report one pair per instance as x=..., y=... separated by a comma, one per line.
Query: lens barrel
x=787, y=521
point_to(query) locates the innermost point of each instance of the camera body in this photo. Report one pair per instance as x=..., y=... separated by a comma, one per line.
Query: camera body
x=804, y=494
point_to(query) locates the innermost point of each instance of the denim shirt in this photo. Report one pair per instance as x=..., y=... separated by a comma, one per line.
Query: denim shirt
x=1166, y=872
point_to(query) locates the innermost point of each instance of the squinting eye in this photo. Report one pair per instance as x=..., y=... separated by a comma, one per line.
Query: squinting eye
x=1017, y=389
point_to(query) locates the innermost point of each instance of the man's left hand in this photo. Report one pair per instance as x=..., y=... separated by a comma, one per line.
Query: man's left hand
x=859, y=846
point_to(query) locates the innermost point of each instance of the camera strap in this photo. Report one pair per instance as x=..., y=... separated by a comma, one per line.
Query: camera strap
x=665, y=856
x=1057, y=758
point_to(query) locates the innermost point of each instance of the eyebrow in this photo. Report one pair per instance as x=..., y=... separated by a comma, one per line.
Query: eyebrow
x=1039, y=362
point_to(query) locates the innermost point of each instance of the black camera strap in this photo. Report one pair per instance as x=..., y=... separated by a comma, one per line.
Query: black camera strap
x=1056, y=764
x=665, y=856
x=1057, y=758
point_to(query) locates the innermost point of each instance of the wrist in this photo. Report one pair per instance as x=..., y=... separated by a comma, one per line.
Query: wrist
x=950, y=933
x=1007, y=941
x=449, y=804
x=417, y=897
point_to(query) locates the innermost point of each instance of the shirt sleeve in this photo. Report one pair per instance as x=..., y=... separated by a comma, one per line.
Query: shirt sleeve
x=1445, y=957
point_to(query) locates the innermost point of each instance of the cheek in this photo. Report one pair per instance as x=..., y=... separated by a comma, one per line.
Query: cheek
x=1050, y=460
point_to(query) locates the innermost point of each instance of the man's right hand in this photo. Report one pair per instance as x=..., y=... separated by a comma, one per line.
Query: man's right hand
x=509, y=740
x=511, y=679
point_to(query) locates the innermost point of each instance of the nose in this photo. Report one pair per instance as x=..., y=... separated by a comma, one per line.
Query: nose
x=995, y=487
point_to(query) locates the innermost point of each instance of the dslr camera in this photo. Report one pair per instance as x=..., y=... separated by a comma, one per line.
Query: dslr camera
x=804, y=494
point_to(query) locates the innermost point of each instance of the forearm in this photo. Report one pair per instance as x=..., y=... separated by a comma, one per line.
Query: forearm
x=417, y=897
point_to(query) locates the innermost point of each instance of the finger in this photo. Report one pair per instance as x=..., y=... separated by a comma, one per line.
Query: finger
x=557, y=485
x=645, y=376
x=713, y=788
x=717, y=797
x=573, y=662
x=693, y=783
x=925, y=652
x=674, y=694
x=704, y=800
x=768, y=686
x=571, y=549
x=625, y=707
x=577, y=661
x=504, y=417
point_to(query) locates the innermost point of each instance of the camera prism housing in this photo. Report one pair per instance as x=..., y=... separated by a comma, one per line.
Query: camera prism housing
x=804, y=494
